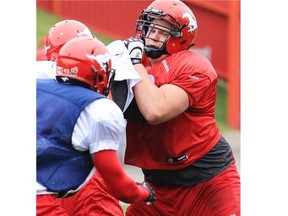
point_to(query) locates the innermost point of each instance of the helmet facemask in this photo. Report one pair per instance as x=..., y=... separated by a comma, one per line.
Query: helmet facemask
x=51, y=52
x=145, y=25
x=182, y=24
x=104, y=79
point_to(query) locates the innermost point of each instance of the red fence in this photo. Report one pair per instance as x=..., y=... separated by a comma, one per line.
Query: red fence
x=218, y=35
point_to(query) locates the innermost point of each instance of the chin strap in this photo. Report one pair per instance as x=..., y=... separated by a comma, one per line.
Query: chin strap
x=154, y=52
x=110, y=82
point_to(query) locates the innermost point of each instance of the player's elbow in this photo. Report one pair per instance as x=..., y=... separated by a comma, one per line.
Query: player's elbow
x=153, y=117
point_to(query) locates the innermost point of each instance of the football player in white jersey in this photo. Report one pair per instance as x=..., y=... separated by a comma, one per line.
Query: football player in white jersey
x=79, y=131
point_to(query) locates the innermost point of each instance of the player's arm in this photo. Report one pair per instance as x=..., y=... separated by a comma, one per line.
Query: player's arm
x=100, y=128
x=120, y=185
x=156, y=104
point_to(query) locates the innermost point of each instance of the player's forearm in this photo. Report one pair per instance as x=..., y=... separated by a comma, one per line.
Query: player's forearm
x=128, y=191
x=150, y=99
x=119, y=184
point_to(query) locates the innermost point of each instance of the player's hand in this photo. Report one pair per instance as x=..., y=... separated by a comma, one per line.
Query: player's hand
x=152, y=198
x=135, y=48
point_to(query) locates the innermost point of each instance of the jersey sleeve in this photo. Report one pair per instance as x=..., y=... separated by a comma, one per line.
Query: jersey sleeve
x=100, y=126
x=194, y=78
x=195, y=85
x=45, y=69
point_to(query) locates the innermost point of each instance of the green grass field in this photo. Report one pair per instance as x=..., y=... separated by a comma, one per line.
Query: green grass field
x=46, y=20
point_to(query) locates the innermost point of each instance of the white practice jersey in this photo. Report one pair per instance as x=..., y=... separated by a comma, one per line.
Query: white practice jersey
x=45, y=69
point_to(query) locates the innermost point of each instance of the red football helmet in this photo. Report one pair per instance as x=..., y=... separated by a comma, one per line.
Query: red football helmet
x=85, y=61
x=62, y=32
x=181, y=19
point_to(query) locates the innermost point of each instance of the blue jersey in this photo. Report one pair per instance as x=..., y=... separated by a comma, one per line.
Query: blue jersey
x=60, y=167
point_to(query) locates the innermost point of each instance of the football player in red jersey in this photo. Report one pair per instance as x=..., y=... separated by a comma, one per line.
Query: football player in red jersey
x=60, y=33
x=171, y=130
x=41, y=55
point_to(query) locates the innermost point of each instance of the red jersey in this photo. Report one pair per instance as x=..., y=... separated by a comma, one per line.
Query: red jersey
x=41, y=56
x=181, y=141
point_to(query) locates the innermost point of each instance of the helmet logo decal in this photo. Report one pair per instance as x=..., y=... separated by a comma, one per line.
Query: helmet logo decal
x=165, y=65
x=72, y=71
x=85, y=32
x=101, y=59
x=192, y=22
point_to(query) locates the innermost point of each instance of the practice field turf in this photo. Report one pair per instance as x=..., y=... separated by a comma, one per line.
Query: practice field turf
x=124, y=206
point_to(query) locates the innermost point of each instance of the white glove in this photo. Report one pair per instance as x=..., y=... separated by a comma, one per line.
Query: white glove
x=135, y=48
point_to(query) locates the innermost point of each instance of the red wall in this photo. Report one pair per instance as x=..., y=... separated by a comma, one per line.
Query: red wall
x=212, y=32
x=114, y=18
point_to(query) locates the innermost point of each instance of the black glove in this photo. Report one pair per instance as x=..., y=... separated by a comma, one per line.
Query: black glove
x=152, y=198
x=135, y=48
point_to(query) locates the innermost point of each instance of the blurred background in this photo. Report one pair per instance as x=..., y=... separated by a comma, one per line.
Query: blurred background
x=218, y=39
